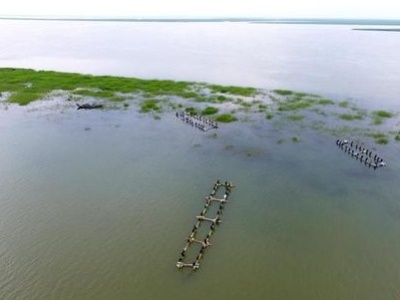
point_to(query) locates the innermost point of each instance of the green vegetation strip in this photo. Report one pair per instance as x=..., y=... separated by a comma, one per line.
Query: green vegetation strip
x=30, y=85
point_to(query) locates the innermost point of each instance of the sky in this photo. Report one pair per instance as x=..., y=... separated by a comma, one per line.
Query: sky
x=359, y=9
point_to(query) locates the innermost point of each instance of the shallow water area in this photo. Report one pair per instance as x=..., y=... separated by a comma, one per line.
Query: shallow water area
x=97, y=205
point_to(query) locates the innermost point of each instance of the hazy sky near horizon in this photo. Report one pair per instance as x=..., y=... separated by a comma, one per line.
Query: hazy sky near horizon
x=383, y=9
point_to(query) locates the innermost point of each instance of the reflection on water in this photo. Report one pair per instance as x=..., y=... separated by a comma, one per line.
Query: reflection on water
x=103, y=213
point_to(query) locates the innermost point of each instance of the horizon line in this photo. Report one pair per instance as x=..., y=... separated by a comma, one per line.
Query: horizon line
x=76, y=17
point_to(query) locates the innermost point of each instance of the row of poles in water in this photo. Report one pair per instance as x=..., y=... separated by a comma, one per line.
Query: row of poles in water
x=197, y=121
x=365, y=155
x=201, y=219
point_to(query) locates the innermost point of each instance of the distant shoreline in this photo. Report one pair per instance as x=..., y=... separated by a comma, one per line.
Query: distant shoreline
x=378, y=29
x=375, y=22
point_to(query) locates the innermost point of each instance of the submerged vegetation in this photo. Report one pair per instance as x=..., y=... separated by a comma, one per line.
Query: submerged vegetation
x=209, y=111
x=279, y=108
x=351, y=117
x=379, y=137
x=150, y=105
x=226, y=118
x=380, y=115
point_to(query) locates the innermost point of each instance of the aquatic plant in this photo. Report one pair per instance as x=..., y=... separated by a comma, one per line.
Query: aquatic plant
x=188, y=94
x=226, y=118
x=351, y=117
x=95, y=93
x=325, y=102
x=319, y=112
x=209, y=110
x=296, y=105
x=234, y=90
x=24, y=97
x=295, y=117
x=150, y=105
x=343, y=104
x=382, y=114
x=283, y=92
x=295, y=139
x=379, y=137
x=191, y=110
x=262, y=107
x=269, y=116
x=379, y=115
x=382, y=140
x=222, y=99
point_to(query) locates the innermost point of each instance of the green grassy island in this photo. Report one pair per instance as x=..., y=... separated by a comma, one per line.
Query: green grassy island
x=282, y=109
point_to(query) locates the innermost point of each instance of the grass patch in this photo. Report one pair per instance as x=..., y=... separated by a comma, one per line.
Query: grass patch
x=397, y=138
x=234, y=90
x=377, y=120
x=379, y=137
x=351, y=117
x=222, y=99
x=295, y=139
x=295, y=105
x=96, y=94
x=262, y=107
x=191, y=110
x=283, y=92
x=209, y=111
x=188, y=94
x=379, y=115
x=226, y=118
x=295, y=117
x=325, y=102
x=24, y=97
x=344, y=104
x=149, y=105
x=382, y=114
x=382, y=140
x=246, y=104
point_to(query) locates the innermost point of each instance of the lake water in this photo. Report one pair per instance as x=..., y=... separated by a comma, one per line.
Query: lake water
x=97, y=204
x=333, y=60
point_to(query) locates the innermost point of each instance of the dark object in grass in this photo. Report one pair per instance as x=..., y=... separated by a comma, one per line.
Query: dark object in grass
x=89, y=106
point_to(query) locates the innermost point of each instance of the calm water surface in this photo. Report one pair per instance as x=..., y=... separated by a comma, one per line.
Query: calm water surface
x=97, y=204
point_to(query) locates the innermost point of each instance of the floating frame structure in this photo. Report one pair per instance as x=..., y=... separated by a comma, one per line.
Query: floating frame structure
x=366, y=156
x=197, y=121
x=202, y=219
